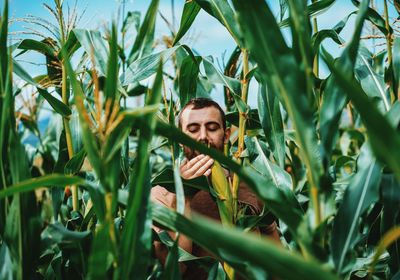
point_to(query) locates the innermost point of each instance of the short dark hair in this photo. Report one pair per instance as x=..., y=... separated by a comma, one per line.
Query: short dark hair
x=200, y=103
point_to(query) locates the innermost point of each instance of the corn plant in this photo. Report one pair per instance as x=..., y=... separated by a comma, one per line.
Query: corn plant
x=322, y=153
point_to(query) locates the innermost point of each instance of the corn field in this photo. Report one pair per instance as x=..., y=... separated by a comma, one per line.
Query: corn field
x=322, y=152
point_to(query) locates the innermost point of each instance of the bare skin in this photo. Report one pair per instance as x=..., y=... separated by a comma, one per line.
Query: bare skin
x=205, y=126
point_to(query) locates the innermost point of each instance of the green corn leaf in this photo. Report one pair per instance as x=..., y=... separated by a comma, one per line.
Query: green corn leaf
x=187, y=79
x=375, y=18
x=321, y=35
x=260, y=28
x=215, y=76
x=362, y=192
x=313, y=9
x=111, y=87
x=146, y=66
x=333, y=100
x=189, y=13
x=234, y=246
x=94, y=45
x=75, y=163
x=384, y=139
x=88, y=138
x=44, y=181
x=222, y=11
x=136, y=236
x=100, y=259
x=145, y=37
x=55, y=103
x=372, y=83
x=39, y=46
x=272, y=124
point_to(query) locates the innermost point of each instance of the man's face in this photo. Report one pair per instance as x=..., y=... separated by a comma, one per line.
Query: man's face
x=204, y=125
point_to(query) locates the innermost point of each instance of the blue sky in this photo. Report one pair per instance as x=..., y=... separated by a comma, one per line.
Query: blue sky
x=207, y=36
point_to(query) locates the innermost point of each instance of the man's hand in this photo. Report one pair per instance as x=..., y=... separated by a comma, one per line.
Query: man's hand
x=196, y=167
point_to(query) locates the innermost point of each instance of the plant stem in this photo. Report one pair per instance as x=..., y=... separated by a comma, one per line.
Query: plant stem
x=389, y=48
x=316, y=58
x=68, y=137
x=242, y=130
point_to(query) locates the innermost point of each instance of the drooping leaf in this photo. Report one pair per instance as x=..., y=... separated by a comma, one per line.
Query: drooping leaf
x=234, y=246
x=375, y=18
x=189, y=13
x=222, y=11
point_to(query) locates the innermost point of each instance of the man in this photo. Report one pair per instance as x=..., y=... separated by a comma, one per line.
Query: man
x=203, y=120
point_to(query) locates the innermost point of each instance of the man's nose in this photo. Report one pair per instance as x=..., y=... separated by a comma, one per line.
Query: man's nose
x=203, y=134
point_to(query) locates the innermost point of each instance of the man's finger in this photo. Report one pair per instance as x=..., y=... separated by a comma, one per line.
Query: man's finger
x=195, y=160
x=203, y=168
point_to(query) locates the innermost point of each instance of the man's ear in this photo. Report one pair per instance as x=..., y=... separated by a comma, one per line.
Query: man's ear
x=227, y=134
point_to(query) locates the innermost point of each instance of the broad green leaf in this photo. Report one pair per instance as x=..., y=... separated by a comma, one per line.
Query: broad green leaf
x=187, y=78
x=384, y=139
x=135, y=243
x=100, y=259
x=272, y=124
x=59, y=234
x=39, y=46
x=372, y=83
x=189, y=13
x=252, y=119
x=233, y=246
x=20, y=71
x=275, y=199
x=145, y=36
x=146, y=66
x=222, y=11
x=321, y=35
x=44, y=181
x=333, y=100
x=259, y=29
x=74, y=165
x=313, y=10
x=375, y=18
x=111, y=87
x=215, y=76
x=55, y=103
x=362, y=192
x=131, y=18
x=94, y=45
